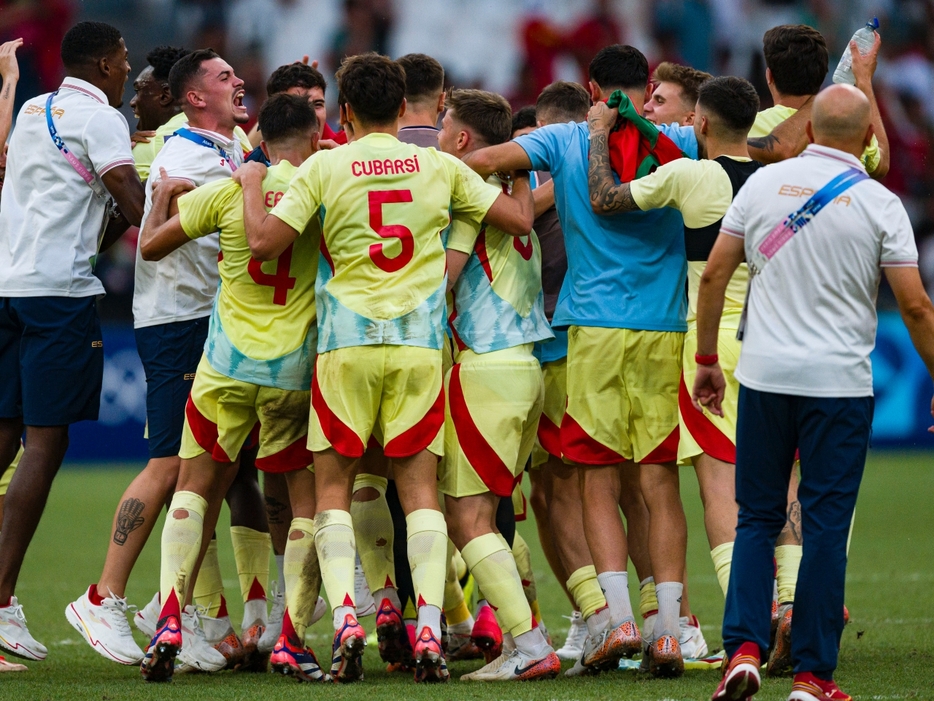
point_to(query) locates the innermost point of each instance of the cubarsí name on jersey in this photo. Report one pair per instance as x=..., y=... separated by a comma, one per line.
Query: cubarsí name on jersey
x=386, y=166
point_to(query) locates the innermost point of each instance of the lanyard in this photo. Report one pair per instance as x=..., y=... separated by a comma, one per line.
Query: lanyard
x=69, y=156
x=206, y=142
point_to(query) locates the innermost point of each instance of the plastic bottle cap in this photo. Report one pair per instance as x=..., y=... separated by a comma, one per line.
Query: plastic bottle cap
x=874, y=23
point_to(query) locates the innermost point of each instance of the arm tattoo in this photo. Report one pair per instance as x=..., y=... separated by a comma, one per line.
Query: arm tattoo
x=794, y=521
x=6, y=93
x=128, y=519
x=605, y=195
x=765, y=143
x=274, y=509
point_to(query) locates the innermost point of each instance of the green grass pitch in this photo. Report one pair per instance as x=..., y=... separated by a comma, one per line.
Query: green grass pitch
x=887, y=650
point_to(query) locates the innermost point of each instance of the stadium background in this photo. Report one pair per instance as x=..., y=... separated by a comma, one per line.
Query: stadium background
x=515, y=48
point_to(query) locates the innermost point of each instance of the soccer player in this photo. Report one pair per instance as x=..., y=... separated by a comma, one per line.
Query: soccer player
x=385, y=207
x=247, y=375
x=622, y=359
x=153, y=104
x=51, y=351
x=494, y=390
x=674, y=95
x=424, y=100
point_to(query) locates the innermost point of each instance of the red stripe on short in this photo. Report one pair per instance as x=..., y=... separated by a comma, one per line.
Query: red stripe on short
x=549, y=435
x=291, y=458
x=339, y=434
x=710, y=438
x=489, y=466
x=667, y=450
x=205, y=432
x=420, y=436
x=577, y=445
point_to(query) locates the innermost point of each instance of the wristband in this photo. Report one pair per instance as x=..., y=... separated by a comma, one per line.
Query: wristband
x=711, y=359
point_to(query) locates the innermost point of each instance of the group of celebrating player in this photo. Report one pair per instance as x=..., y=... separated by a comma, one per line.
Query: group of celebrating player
x=394, y=322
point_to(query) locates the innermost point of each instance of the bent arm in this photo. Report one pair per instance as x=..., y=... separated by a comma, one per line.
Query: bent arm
x=606, y=196
x=544, y=198
x=503, y=157
x=916, y=310
x=124, y=186
x=785, y=141
x=163, y=231
x=267, y=235
x=513, y=214
x=456, y=262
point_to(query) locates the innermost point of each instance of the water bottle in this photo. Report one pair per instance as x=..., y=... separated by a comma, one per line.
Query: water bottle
x=864, y=39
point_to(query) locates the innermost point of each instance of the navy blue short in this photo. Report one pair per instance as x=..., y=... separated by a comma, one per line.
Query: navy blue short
x=51, y=360
x=170, y=355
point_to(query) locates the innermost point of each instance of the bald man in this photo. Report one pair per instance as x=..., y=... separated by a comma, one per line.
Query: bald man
x=805, y=376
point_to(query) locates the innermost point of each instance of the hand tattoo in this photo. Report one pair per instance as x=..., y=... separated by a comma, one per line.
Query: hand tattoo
x=128, y=519
x=605, y=195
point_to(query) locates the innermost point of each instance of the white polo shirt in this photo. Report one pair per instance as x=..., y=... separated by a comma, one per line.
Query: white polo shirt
x=51, y=220
x=811, y=320
x=181, y=286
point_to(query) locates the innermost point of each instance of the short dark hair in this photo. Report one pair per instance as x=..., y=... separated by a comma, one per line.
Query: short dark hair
x=162, y=58
x=285, y=116
x=797, y=57
x=619, y=66
x=88, y=42
x=424, y=77
x=562, y=101
x=295, y=75
x=373, y=85
x=187, y=68
x=686, y=78
x=488, y=114
x=524, y=118
x=733, y=100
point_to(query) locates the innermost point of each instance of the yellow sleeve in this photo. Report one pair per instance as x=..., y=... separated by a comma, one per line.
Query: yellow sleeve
x=661, y=188
x=872, y=155
x=700, y=190
x=303, y=198
x=463, y=234
x=143, y=155
x=471, y=195
x=199, y=211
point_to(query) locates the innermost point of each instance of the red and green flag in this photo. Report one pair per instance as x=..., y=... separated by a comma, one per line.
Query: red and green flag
x=636, y=145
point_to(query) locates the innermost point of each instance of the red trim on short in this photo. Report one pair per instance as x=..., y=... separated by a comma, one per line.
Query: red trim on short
x=578, y=446
x=204, y=432
x=373, y=444
x=549, y=435
x=488, y=465
x=339, y=434
x=710, y=438
x=480, y=249
x=291, y=458
x=420, y=436
x=667, y=450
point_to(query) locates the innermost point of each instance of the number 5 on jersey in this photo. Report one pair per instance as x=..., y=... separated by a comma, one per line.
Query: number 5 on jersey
x=280, y=281
x=376, y=200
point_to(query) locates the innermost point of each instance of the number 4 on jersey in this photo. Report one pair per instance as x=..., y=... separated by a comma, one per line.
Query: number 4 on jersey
x=280, y=281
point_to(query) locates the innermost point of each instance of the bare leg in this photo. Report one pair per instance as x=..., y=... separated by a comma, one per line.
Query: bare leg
x=791, y=533
x=542, y=495
x=667, y=524
x=636, y=512
x=245, y=498
x=717, y=481
x=334, y=476
x=603, y=525
x=279, y=513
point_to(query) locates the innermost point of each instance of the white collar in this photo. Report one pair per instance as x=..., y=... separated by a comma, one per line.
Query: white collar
x=218, y=139
x=85, y=87
x=834, y=154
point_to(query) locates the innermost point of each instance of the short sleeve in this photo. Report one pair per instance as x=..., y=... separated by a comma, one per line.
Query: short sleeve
x=463, y=235
x=471, y=195
x=683, y=137
x=303, y=198
x=143, y=155
x=107, y=140
x=546, y=147
x=200, y=209
x=872, y=155
x=661, y=188
x=898, y=239
x=734, y=221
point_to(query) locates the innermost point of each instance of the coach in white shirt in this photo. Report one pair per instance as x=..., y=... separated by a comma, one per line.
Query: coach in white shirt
x=69, y=155
x=805, y=375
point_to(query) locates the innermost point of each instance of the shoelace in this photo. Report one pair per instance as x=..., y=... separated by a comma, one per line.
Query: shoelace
x=18, y=613
x=117, y=609
x=195, y=612
x=577, y=632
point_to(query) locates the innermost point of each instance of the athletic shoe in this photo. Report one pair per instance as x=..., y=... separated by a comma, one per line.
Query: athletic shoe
x=430, y=665
x=807, y=687
x=147, y=618
x=486, y=634
x=366, y=606
x=270, y=637
x=460, y=646
x=544, y=629
x=391, y=635
x=220, y=634
x=573, y=646
x=605, y=651
x=691, y=639
x=517, y=666
x=846, y=616
x=159, y=661
x=197, y=655
x=347, y=651
x=105, y=627
x=741, y=679
x=14, y=636
x=626, y=639
x=298, y=662
x=780, y=664
x=579, y=669
x=665, y=657
x=254, y=660
x=11, y=666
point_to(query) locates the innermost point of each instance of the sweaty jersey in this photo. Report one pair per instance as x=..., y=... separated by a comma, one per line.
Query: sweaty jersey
x=385, y=208
x=498, y=298
x=262, y=325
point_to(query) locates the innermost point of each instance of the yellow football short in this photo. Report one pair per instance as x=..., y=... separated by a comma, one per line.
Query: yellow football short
x=548, y=440
x=8, y=473
x=394, y=389
x=622, y=396
x=706, y=433
x=494, y=402
x=222, y=413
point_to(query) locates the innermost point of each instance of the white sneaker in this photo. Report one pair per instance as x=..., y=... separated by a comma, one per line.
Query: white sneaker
x=105, y=627
x=15, y=637
x=196, y=654
x=274, y=622
x=691, y=639
x=147, y=618
x=514, y=665
x=366, y=606
x=574, y=644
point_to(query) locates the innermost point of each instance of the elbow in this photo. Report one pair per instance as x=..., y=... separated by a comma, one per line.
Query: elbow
x=261, y=252
x=522, y=224
x=918, y=311
x=149, y=252
x=135, y=218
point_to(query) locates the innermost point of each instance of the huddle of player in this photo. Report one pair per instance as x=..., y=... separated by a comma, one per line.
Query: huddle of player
x=395, y=327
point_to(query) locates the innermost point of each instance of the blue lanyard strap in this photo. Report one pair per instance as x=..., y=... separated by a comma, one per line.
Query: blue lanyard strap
x=79, y=167
x=204, y=141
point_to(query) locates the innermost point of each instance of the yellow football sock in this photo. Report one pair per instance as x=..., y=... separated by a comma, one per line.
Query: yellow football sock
x=302, y=574
x=722, y=557
x=251, y=553
x=455, y=608
x=520, y=551
x=787, y=560
x=586, y=591
x=181, y=543
x=334, y=540
x=494, y=568
x=372, y=523
x=648, y=602
x=209, y=586
x=428, y=547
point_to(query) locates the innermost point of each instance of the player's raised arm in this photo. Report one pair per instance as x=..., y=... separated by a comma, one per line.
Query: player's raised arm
x=864, y=67
x=267, y=235
x=163, y=231
x=502, y=157
x=606, y=196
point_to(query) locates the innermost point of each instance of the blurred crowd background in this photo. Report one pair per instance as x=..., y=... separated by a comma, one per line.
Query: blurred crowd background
x=514, y=47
